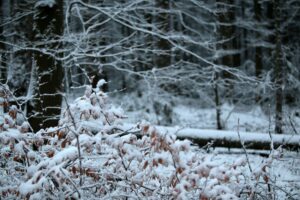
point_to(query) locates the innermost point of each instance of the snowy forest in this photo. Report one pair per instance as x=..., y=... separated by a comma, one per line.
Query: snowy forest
x=150, y=99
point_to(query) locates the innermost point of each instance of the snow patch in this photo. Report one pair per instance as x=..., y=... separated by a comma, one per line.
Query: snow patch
x=45, y=3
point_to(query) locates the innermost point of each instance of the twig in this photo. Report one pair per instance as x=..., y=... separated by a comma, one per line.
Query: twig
x=71, y=181
x=228, y=115
x=243, y=146
x=6, y=89
x=77, y=139
x=98, y=101
x=272, y=143
x=292, y=125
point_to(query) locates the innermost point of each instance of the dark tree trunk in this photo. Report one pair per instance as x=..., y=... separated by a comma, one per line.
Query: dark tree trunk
x=226, y=31
x=236, y=34
x=244, y=42
x=258, y=49
x=3, y=55
x=162, y=20
x=278, y=69
x=217, y=103
x=47, y=107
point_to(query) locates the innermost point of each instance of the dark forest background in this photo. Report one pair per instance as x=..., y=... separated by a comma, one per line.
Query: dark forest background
x=215, y=52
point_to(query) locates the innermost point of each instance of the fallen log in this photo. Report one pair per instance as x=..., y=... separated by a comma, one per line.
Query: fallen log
x=217, y=138
x=231, y=139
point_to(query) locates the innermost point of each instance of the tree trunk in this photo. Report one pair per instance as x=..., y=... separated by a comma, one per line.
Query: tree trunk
x=225, y=43
x=226, y=39
x=217, y=103
x=244, y=40
x=278, y=69
x=162, y=20
x=4, y=57
x=47, y=107
x=258, y=49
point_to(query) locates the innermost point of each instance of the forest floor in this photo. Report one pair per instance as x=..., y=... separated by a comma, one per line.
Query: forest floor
x=284, y=172
x=191, y=115
x=187, y=113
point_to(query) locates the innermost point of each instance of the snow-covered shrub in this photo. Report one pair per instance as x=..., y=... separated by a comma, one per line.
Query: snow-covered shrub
x=91, y=155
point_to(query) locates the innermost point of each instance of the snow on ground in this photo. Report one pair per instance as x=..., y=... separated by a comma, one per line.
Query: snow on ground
x=250, y=120
x=186, y=113
x=285, y=170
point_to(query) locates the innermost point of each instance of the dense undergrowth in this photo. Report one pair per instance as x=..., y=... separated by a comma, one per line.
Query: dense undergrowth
x=89, y=156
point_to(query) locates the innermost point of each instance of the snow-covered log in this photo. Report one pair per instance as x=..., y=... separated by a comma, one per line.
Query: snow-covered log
x=230, y=139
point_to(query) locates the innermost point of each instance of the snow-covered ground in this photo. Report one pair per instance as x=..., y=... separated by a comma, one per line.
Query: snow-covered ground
x=253, y=119
x=187, y=114
x=285, y=171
